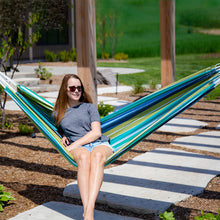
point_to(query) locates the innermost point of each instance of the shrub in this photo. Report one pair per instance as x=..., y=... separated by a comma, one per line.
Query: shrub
x=25, y=129
x=104, y=109
x=50, y=56
x=105, y=56
x=138, y=88
x=208, y=216
x=5, y=197
x=167, y=216
x=64, y=56
x=120, y=56
x=73, y=55
x=42, y=72
x=8, y=124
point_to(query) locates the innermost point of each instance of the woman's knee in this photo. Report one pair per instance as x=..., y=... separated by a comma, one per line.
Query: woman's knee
x=98, y=157
x=83, y=158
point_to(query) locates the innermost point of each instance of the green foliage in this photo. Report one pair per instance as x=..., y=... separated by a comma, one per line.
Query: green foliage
x=8, y=124
x=140, y=24
x=25, y=129
x=120, y=56
x=167, y=216
x=105, y=56
x=208, y=216
x=42, y=72
x=1, y=89
x=50, y=56
x=214, y=94
x=138, y=88
x=73, y=55
x=6, y=46
x=64, y=56
x=104, y=109
x=5, y=197
x=184, y=66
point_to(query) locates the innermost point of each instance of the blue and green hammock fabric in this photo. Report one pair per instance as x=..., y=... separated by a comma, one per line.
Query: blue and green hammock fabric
x=129, y=125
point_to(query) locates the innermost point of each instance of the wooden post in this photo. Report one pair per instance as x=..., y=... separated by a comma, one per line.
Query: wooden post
x=86, y=46
x=167, y=39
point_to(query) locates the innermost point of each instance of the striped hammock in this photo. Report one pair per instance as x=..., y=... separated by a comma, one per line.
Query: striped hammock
x=130, y=124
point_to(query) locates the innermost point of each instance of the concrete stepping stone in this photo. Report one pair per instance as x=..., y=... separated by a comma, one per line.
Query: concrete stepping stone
x=153, y=181
x=11, y=105
x=218, y=127
x=113, y=89
x=206, y=141
x=64, y=211
x=179, y=125
x=106, y=99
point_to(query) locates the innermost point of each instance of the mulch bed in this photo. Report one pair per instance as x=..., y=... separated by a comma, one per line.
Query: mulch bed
x=34, y=173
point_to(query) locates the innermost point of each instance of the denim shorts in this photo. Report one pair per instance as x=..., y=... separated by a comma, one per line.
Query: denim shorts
x=92, y=145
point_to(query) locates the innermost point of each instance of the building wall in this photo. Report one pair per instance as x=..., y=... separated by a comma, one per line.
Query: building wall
x=37, y=51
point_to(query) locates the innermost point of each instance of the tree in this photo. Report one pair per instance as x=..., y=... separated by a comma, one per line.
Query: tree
x=106, y=28
x=15, y=19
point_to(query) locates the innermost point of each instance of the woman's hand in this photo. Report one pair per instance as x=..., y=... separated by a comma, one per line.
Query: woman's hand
x=65, y=141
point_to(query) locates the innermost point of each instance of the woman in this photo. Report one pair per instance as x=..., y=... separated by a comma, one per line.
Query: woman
x=80, y=123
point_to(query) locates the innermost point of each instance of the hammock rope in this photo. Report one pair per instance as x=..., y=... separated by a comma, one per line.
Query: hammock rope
x=130, y=124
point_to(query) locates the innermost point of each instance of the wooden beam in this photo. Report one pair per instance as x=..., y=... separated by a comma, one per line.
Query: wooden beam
x=167, y=39
x=86, y=46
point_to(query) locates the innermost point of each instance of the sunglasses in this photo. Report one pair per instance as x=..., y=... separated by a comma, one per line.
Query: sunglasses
x=74, y=88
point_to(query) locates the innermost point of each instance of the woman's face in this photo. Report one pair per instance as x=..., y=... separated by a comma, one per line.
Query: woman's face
x=74, y=89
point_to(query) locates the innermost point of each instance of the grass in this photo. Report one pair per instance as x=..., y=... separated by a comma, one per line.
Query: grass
x=139, y=24
x=185, y=65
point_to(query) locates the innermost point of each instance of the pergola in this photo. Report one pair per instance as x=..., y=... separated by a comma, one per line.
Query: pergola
x=86, y=44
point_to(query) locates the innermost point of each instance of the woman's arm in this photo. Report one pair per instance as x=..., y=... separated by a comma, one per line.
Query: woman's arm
x=91, y=136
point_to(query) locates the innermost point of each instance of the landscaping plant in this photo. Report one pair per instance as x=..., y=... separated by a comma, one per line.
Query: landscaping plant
x=50, y=56
x=42, y=72
x=208, y=216
x=25, y=129
x=5, y=197
x=105, y=109
x=167, y=216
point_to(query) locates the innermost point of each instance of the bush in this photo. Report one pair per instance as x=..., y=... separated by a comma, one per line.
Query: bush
x=105, y=56
x=167, y=216
x=8, y=124
x=64, y=56
x=5, y=197
x=50, y=56
x=120, y=56
x=104, y=109
x=73, y=55
x=25, y=129
x=208, y=216
x=138, y=88
x=42, y=72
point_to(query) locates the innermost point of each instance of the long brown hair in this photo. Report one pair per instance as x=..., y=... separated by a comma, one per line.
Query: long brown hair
x=62, y=99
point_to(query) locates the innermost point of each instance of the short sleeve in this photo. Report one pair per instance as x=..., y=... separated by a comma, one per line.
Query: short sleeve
x=93, y=112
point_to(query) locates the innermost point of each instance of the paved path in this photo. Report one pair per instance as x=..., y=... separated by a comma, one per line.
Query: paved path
x=60, y=70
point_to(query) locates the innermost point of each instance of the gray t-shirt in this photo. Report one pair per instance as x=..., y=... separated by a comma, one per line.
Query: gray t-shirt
x=77, y=120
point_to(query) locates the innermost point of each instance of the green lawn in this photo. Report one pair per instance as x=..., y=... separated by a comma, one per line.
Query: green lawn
x=185, y=65
x=139, y=24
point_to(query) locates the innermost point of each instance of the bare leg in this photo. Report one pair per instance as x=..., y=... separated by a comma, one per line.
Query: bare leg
x=97, y=160
x=82, y=157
